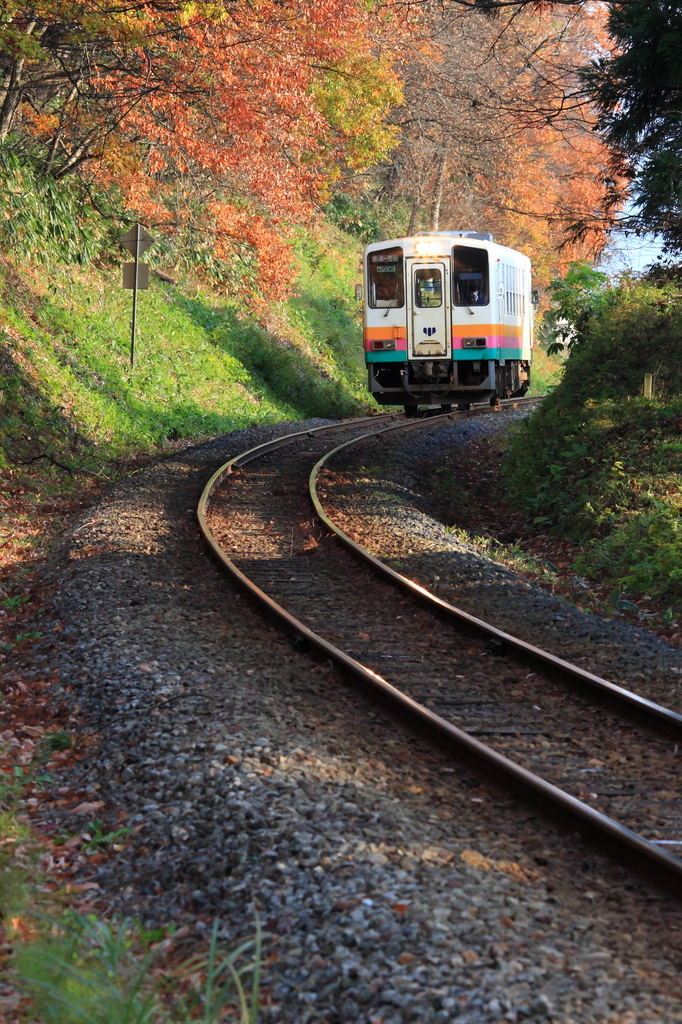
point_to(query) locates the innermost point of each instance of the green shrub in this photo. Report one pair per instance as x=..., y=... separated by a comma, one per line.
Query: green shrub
x=354, y=216
x=577, y=298
x=636, y=330
x=49, y=220
x=600, y=464
x=642, y=553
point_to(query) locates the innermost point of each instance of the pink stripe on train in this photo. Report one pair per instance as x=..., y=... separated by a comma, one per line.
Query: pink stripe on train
x=492, y=341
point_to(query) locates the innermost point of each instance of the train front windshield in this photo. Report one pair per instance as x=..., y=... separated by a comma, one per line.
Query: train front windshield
x=386, y=288
x=470, y=277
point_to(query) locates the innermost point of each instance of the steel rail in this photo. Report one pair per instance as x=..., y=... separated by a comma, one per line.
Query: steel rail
x=643, y=712
x=570, y=812
x=278, y=442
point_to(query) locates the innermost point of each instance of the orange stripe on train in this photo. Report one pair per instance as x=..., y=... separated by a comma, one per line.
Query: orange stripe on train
x=481, y=330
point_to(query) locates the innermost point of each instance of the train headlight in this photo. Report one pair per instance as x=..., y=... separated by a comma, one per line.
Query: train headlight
x=428, y=247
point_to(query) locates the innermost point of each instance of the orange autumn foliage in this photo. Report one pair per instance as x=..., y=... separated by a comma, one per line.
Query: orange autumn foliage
x=546, y=198
x=209, y=117
x=496, y=133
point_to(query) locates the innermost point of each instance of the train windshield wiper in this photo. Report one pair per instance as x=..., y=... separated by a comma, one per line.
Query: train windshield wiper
x=394, y=299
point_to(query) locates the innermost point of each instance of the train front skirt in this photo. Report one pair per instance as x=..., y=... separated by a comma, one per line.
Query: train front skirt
x=446, y=381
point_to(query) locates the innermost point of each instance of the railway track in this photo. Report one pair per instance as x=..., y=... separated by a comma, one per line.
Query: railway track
x=600, y=759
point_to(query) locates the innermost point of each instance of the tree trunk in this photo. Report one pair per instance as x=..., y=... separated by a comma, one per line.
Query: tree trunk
x=414, y=213
x=7, y=77
x=56, y=139
x=76, y=158
x=11, y=101
x=11, y=90
x=438, y=192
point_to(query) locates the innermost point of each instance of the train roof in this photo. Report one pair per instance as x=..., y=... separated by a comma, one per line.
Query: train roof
x=439, y=243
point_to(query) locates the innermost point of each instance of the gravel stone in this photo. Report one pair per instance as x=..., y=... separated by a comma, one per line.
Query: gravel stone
x=394, y=513
x=392, y=886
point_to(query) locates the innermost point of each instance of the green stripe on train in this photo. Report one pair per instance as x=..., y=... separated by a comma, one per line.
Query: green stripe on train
x=461, y=355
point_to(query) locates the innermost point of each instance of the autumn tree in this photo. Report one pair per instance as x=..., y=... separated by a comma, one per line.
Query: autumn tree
x=223, y=118
x=496, y=132
x=637, y=85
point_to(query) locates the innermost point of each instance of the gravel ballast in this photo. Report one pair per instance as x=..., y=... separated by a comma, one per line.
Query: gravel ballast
x=392, y=886
x=388, y=509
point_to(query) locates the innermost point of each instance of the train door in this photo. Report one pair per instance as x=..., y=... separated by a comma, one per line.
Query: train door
x=428, y=315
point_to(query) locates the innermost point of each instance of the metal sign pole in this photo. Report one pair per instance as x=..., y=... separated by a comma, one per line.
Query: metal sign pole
x=135, y=283
x=136, y=241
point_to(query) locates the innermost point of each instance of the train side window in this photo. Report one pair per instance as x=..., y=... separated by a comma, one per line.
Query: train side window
x=514, y=290
x=428, y=288
x=385, y=279
x=470, y=276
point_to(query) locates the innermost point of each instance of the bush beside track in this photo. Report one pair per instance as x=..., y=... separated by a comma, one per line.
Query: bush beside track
x=601, y=465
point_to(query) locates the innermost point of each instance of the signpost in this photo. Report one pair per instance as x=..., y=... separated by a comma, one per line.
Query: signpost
x=135, y=275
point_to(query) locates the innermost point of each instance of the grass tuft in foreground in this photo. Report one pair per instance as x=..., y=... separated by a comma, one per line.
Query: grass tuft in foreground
x=86, y=971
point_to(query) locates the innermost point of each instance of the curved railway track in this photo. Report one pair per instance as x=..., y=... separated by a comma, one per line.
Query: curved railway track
x=533, y=723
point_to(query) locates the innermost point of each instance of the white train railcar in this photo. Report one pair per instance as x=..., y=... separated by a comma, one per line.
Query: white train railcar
x=448, y=320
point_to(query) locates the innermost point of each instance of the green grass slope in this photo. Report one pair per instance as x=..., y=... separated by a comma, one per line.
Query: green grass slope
x=602, y=465
x=202, y=366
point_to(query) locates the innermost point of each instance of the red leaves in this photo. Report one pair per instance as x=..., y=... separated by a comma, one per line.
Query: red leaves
x=207, y=114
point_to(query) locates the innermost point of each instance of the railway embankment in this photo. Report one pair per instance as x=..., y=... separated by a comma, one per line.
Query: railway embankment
x=390, y=884
x=600, y=464
x=75, y=418
x=74, y=415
